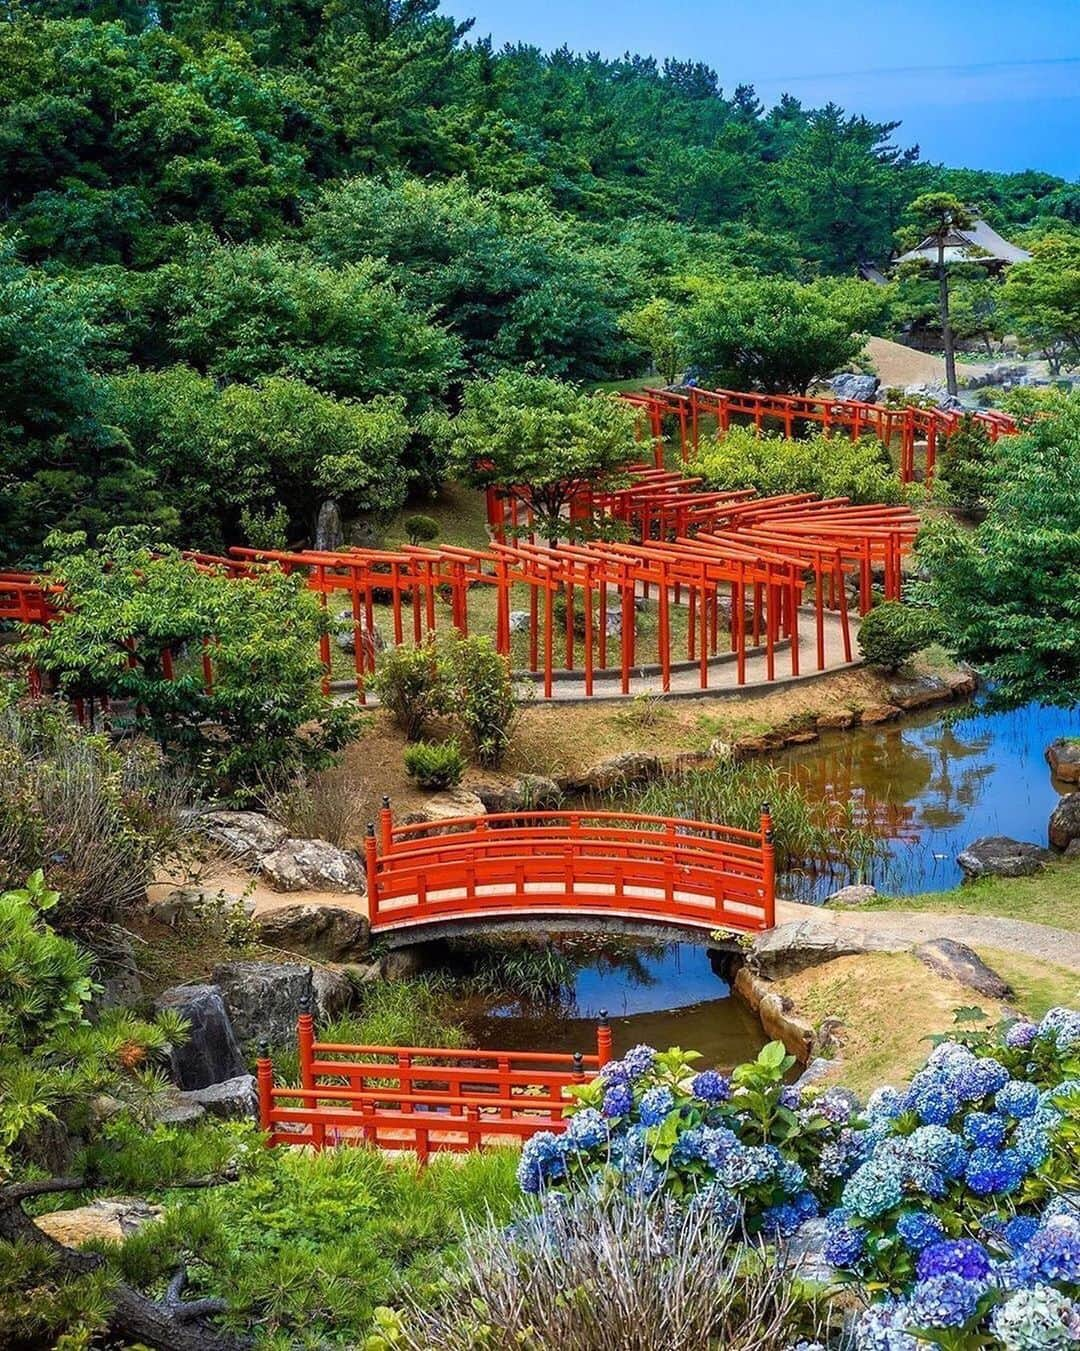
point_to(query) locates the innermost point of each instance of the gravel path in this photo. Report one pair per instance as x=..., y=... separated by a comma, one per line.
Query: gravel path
x=1059, y=947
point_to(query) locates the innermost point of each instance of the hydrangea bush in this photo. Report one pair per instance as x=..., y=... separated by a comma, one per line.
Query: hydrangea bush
x=953, y=1204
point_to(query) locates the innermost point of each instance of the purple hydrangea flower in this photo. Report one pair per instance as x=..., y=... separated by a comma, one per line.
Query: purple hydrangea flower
x=881, y=1328
x=711, y=1086
x=790, y=1097
x=964, y=1256
x=834, y=1107
x=1020, y=1034
x=618, y=1100
x=655, y=1105
x=844, y=1246
x=1053, y=1253
x=1017, y=1099
x=614, y=1072
x=918, y=1229
x=947, y=1301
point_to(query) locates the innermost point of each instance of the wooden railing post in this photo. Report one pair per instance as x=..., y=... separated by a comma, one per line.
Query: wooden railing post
x=371, y=863
x=264, y=1075
x=603, y=1039
x=305, y=1040
x=768, y=866
x=386, y=827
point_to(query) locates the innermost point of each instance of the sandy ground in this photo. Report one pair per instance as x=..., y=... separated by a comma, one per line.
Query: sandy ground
x=899, y=365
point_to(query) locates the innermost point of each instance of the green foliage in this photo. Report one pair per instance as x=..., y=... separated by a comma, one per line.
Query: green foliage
x=100, y=816
x=967, y=466
x=656, y=328
x=482, y=696
x=831, y=466
x=1042, y=301
x=265, y=713
x=893, y=632
x=420, y=529
x=772, y=334
x=521, y=429
x=435, y=764
x=1007, y=594
x=411, y=685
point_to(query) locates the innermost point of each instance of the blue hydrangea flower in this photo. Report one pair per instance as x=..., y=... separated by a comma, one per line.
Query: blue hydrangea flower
x=542, y=1161
x=655, y=1105
x=964, y=1256
x=711, y=1086
x=885, y=1103
x=688, y=1147
x=1019, y=1231
x=834, y=1107
x=792, y=1177
x=1032, y=1143
x=645, y=1180
x=790, y=1097
x=1067, y=1204
x=781, y=1220
x=717, y=1142
x=935, y=1103
x=587, y=1129
x=1039, y=1319
x=941, y=1149
x=947, y=1301
x=881, y=1328
x=918, y=1229
x=1053, y=1253
x=994, y=1172
x=806, y=1203
x=1062, y=1026
x=875, y=1187
x=614, y=1072
x=1017, y=1098
x=618, y=1100
x=628, y=1147
x=638, y=1061
x=844, y=1246
x=749, y=1163
x=983, y=1128
x=1020, y=1034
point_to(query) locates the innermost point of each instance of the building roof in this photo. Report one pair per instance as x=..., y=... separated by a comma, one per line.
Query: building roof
x=979, y=243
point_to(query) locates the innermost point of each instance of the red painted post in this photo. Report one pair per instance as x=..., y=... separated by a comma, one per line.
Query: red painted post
x=386, y=828
x=264, y=1074
x=371, y=861
x=603, y=1039
x=768, y=866
x=305, y=1039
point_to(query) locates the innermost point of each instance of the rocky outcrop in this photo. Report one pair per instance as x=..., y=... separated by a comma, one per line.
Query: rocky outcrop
x=874, y=714
x=532, y=792
x=246, y=835
x=956, y=961
x=263, y=999
x=800, y=944
x=327, y=931
x=109, y=1219
x=1000, y=856
x=623, y=770
x=1063, y=757
x=926, y=690
x=854, y=895
x=332, y=990
x=211, y=1052
x=776, y=1013
x=442, y=808
x=839, y=720
x=855, y=385
x=1065, y=822
x=312, y=865
x=231, y=1100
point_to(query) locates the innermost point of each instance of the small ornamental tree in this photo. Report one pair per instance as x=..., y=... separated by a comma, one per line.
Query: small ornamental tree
x=1042, y=301
x=936, y=216
x=128, y=609
x=655, y=326
x=542, y=440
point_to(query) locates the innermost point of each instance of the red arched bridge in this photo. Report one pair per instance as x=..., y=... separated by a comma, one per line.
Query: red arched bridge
x=514, y=865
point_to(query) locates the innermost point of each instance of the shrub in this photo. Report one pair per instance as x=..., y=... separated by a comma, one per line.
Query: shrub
x=420, y=529
x=831, y=466
x=101, y=816
x=435, y=764
x=412, y=684
x=320, y=805
x=616, y=1272
x=483, y=696
x=966, y=467
x=893, y=632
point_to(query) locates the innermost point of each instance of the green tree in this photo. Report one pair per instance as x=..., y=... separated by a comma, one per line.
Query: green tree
x=126, y=605
x=775, y=335
x=1042, y=301
x=541, y=440
x=1009, y=593
x=656, y=327
x=938, y=215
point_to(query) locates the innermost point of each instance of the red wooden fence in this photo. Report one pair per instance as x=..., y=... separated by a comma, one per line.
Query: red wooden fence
x=424, y=1099
x=652, y=868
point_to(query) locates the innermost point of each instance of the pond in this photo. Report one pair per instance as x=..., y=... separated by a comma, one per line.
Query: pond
x=930, y=785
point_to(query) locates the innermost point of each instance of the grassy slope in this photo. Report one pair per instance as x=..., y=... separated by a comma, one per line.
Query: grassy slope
x=1050, y=897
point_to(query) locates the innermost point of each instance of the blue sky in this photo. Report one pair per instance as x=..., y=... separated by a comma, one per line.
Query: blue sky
x=990, y=84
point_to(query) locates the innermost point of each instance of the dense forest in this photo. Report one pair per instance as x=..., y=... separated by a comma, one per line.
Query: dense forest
x=248, y=252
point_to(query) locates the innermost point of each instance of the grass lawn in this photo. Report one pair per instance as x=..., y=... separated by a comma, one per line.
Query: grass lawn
x=1050, y=897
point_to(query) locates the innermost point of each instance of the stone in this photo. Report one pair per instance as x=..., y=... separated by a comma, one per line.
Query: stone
x=180, y=1111
x=1063, y=757
x=935, y=394
x=835, y=722
x=109, y=1218
x=800, y=944
x=1065, y=821
x=854, y=385
x=920, y=692
x=804, y=1253
x=775, y=1012
x=854, y=895
x=958, y=962
x=402, y=964
x=519, y=621
x=622, y=770
x=327, y=931
x=329, y=533
x=819, y=1069
x=211, y=1052
x=232, y=1100
x=1000, y=856
x=263, y=999
x=803, y=738
x=441, y=808
x=878, y=713
x=312, y=865
x=532, y=792
x=247, y=835
x=1072, y=849
x=177, y=904
x=116, y=972
x=332, y=991
x=371, y=640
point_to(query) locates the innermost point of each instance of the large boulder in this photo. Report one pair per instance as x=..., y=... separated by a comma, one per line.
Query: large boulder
x=312, y=865
x=854, y=385
x=247, y=835
x=173, y=907
x=328, y=931
x=211, y=1052
x=858, y=894
x=1063, y=757
x=232, y=1100
x=108, y=1219
x=958, y=962
x=1000, y=856
x=1065, y=822
x=622, y=770
x=264, y=999
x=371, y=640
x=795, y=946
x=532, y=792
x=332, y=989
x=443, y=808
x=329, y=532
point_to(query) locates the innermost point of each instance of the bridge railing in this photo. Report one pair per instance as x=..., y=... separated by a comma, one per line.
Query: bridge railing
x=656, y=868
x=424, y=1099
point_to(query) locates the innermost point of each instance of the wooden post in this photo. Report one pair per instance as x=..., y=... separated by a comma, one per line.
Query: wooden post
x=264, y=1074
x=386, y=828
x=371, y=862
x=768, y=865
x=603, y=1039
x=305, y=1038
